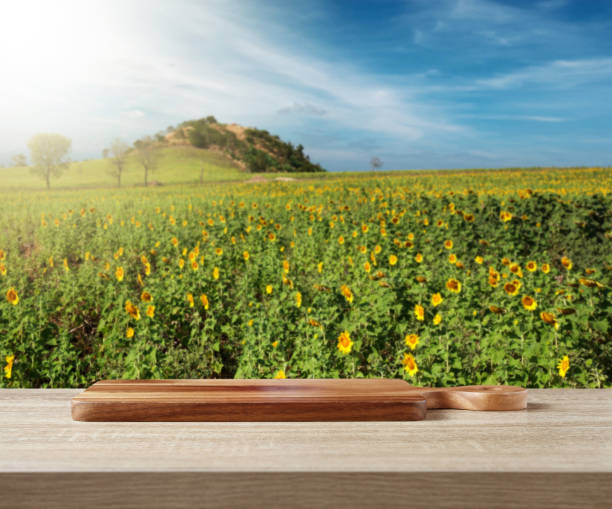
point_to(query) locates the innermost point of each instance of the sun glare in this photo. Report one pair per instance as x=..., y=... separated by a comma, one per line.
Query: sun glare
x=49, y=46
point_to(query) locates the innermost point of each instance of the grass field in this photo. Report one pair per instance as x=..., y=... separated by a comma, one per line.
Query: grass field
x=441, y=278
x=176, y=165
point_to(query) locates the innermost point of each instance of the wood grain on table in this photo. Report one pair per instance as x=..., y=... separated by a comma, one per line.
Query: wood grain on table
x=557, y=453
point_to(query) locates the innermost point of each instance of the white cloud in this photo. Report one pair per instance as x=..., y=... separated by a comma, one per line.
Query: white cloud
x=550, y=5
x=135, y=114
x=193, y=59
x=303, y=109
x=536, y=118
x=487, y=24
x=556, y=74
x=532, y=118
x=483, y=10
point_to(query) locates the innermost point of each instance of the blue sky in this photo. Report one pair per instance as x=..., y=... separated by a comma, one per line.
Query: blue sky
x=418, y=83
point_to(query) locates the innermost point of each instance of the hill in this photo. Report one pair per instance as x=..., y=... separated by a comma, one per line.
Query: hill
x=255, y=150
x=195, y=151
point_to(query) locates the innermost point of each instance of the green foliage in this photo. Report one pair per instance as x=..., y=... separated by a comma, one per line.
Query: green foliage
x=61, y=253
x=118, y=153
x=19, y=160
x=282, y=156
x=206, y=133
x=258, y=161
x=49, y=155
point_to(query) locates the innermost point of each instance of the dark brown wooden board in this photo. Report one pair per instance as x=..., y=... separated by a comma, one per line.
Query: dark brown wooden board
x=281, y=400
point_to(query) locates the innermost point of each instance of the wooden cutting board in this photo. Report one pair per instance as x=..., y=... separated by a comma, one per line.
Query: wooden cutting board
x=282, y=400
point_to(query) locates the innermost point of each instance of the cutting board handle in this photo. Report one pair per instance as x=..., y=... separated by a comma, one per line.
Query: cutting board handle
x=476, y=397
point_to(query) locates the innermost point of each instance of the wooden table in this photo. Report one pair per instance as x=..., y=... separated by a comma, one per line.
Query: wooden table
x=557, y=453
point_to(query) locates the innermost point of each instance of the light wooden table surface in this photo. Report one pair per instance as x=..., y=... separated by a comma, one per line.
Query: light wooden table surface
x=557, y=453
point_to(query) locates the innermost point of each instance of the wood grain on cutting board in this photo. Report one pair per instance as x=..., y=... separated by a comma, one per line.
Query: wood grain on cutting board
x=281, y=400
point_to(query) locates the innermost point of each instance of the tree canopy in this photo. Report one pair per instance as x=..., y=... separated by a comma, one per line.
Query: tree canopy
x=147, y=156
x=118, y=152
x=19, y=160
x=49, y=155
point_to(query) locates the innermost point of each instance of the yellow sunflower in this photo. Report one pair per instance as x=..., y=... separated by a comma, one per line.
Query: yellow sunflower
x=436, y=299
x=511, y=288
x=12, y=296
x=549, y=318
x=563, y=366
x=515, y=268
x=8, y=369
x=132, y=310
x=411, y=340
x=347, y=293
x=410, y=364
x=344, y=342
x=419, y=312
x=204, y=301
x=529, y=303
x=453, y=285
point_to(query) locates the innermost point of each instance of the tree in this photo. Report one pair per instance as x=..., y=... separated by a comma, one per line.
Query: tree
x=49, y=155
x=147, y=156
x=118, y=152
x=376, y=163
x=19, y=160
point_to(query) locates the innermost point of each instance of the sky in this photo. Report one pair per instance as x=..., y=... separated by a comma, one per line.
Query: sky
x=418, y=83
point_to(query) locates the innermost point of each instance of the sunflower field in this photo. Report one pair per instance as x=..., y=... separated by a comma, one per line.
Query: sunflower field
x=441, y=278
